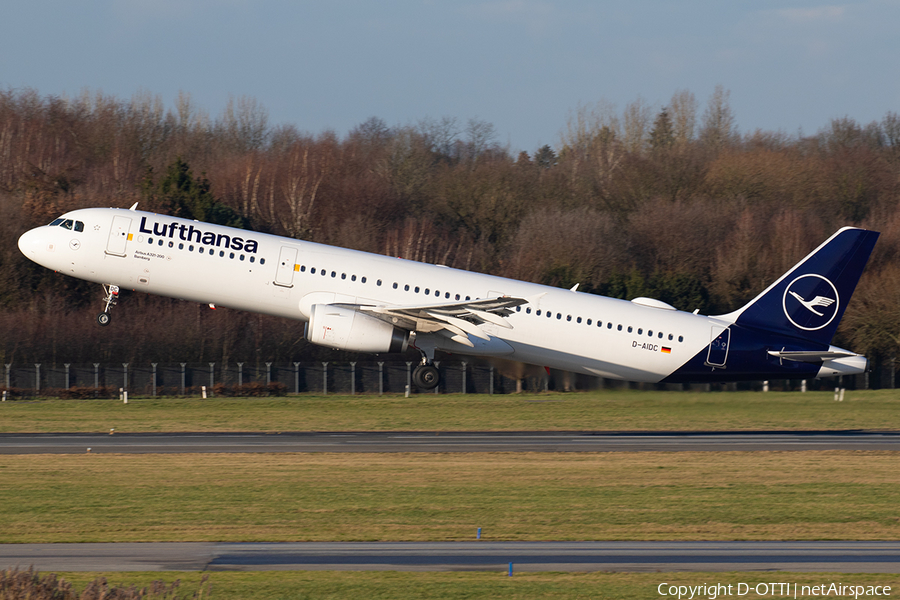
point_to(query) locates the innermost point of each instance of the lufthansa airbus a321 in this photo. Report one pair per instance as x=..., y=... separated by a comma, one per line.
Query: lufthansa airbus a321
x=365, y=302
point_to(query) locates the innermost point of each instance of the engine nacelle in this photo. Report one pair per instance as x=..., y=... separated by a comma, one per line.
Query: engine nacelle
x=347, y=329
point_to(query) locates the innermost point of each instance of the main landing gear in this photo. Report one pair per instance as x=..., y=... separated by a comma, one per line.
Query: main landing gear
x=112, y=297
x=426, y=376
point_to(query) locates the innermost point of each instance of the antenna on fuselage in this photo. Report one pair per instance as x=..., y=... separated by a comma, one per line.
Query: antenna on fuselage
x=133, y=206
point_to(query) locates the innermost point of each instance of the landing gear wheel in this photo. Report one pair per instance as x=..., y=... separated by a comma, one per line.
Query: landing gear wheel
x=426, y=377
x=111, y=299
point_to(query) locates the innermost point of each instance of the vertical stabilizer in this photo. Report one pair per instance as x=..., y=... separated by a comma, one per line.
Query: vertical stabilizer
x=808, y=301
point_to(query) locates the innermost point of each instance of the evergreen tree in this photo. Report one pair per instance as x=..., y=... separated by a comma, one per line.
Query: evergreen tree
x=662, y=134
x=180, y=194
x=545, y=157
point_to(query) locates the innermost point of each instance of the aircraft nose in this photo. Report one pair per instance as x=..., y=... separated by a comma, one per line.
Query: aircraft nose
x=30, y=244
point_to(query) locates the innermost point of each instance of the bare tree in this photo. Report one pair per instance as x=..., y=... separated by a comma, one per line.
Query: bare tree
x=683, y=111
x=636, y=120
x=305, y=166
x=245, y=124
x=718, y=129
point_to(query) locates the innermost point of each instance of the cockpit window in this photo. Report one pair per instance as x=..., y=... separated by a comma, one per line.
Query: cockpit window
x=69, y=224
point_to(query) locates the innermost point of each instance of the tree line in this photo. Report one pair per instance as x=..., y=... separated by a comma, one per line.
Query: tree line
x=672, y=202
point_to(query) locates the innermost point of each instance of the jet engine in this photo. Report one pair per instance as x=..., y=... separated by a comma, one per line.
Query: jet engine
x=348, y=329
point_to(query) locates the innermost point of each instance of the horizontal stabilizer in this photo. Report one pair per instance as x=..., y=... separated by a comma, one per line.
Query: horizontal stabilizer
x=811, y=356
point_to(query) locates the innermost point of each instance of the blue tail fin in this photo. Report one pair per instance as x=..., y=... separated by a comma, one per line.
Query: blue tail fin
x=808, y=301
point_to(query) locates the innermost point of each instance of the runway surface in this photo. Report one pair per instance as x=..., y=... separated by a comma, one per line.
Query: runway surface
x=398, y=441
x=844, y=557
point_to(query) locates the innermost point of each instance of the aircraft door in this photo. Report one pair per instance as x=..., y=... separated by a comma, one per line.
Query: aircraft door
x=284, y=276
x=118, y=235
x=720, y=337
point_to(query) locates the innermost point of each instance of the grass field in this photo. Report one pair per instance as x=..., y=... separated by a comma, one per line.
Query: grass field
x=444, y=586
x=517, y=496
x=520, y=496
x=591, y=411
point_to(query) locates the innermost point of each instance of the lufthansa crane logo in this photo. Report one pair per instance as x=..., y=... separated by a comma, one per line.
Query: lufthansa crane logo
x=810, y=302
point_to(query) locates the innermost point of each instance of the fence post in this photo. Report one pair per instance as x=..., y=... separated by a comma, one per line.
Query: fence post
x=353, y=379
x=153, y=380
x=464, y=377
x=37, y=378
x=124, y=376
x=492, y=380
x=8, y=367
x=437, y=387
x=408, y=378
x=268, y=373
x=212, y=375
x=67, y=375
x=381, y=378
x=324, y=378
x=893, y=372
x=182, y=377
x=96, y=376
x=296, y=378
x=240, y=374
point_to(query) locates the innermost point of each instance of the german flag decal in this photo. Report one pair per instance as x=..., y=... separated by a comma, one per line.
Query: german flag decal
x=665, y=350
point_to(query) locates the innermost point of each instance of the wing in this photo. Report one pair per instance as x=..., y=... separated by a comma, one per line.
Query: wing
x=456, y=320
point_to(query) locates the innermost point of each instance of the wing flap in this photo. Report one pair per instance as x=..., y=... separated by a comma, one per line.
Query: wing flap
x=459, y=319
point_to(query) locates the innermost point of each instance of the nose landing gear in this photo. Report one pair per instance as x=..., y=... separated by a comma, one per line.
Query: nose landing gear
x=112, y=298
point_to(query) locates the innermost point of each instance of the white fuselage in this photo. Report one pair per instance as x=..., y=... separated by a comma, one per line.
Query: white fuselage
x=283, y=277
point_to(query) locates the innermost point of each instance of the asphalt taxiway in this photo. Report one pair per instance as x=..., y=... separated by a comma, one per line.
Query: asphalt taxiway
x=439, y=441
x=843, y=557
